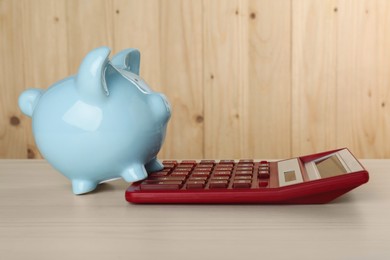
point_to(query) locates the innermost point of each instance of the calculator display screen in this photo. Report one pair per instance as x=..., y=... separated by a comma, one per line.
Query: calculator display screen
x=330, y=167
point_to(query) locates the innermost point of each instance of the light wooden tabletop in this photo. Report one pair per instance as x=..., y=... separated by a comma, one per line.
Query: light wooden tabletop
x=40, y=218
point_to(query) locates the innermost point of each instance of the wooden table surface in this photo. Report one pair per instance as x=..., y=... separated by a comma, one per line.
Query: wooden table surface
x=40, y=218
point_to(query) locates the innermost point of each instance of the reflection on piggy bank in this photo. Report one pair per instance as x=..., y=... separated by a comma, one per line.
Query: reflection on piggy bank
x=103, y=123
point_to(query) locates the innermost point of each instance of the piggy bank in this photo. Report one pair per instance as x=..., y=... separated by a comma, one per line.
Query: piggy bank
x=101, y=124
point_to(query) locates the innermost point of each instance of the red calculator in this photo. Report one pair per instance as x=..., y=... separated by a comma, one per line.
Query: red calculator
x=310, y=179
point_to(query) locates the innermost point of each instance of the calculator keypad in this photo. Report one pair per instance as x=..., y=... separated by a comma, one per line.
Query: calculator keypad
x=209, y=174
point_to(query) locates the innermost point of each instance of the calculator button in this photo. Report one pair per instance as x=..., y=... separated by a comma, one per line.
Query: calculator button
x=242, y=184
x=169, y=162
x=263, y=174
x=207, y=162
x=244, y=173
x=177, y=174
x=202, y=169
x=224, y=165
x=165, y=178
x=244, y=177
x=169, y=166
x=223, y=169
x=197, y=178
x=222, y=173
x=263, y=184
x=200, y=174
x=195, y=184
x=246, y=161
x=244, y=168
x=219, y=165
x=264, y=168
x=226, y=161
x=191, y=162
x=160, y=173
x=218, y=184
x=184, y=166
x=163, y=185
x=219, y=178
x=204, y=165
x=243, y=165
x=182, y=170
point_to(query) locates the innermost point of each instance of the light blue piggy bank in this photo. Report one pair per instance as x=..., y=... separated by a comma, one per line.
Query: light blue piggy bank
x=103, y=123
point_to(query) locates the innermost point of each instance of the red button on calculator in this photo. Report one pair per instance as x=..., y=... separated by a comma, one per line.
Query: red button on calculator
x=317, y=178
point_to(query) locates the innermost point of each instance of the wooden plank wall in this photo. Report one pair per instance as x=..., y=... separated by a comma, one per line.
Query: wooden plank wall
x=246, y=78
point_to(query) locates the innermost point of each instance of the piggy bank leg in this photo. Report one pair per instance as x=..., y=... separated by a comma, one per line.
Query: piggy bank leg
x=134, y=172
x=154, y=165
x=83, y=186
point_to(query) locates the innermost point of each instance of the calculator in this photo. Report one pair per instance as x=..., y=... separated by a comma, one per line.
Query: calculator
x=311, y=179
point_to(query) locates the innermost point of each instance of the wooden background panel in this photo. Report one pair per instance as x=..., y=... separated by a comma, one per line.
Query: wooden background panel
x=268, y=127
x=314, y=76
x=363, y=77
x=14, y=128
x=90, y=26
x=45, y=56
x=318, y=72
x=181, y=77
x=224, y=92
x=382, y=71
x=39, y=36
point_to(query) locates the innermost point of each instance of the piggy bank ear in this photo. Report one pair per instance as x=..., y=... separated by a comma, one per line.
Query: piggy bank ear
x=128, y=59
x=90, y=78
